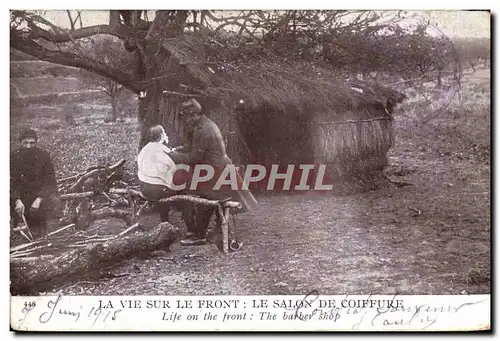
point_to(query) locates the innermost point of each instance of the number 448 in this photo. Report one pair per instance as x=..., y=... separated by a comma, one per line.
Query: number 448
x=29, y=305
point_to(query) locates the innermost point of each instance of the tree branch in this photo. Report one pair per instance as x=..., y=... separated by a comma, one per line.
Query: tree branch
x=235, y=23
x=71, y=20
x=79, y=17
x=120, y=31
x=70, y=59
x=226, y=18
x=31, y=22
x=171, y=22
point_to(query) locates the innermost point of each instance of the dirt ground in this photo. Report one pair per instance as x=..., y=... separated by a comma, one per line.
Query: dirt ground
x=376, y=242
x=431, y=237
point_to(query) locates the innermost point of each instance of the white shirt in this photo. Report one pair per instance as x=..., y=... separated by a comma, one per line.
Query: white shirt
x=154, y=165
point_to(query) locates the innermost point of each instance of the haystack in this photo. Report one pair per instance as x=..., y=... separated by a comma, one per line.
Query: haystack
x=273, y=110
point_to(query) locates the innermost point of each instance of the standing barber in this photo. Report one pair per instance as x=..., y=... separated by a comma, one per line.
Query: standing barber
x=205, y=148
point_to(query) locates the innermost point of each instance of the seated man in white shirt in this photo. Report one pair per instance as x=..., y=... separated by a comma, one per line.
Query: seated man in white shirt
x=155, y=172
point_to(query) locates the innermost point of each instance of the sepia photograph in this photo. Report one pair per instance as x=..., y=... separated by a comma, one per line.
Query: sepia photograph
x=249, y=153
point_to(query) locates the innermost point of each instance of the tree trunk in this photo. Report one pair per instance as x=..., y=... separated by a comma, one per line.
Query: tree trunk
x=114, y=107
x=149, y=115
x=167, y=24
x=149, y=110
x=36, y=274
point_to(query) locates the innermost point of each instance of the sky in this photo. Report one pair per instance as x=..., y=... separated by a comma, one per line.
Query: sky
x=462, y=23
x=452, y=23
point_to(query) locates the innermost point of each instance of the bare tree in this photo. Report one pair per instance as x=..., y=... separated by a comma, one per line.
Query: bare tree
x=110, y=50
x=325, y=35
x=33, y=34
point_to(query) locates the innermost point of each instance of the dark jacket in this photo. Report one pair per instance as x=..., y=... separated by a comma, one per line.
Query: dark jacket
x=31, y=174
x=207, y=147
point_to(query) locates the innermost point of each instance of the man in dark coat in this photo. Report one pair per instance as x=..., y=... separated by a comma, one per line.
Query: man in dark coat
x=206, y=148
x=33, y=186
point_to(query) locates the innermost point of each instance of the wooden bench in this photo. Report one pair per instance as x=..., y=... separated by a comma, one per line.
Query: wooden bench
x=224, y=209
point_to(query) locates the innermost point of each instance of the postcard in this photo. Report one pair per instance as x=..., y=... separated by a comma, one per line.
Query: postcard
x=250, y=170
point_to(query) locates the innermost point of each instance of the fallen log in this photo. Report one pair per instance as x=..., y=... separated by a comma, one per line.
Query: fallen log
x=36, y=274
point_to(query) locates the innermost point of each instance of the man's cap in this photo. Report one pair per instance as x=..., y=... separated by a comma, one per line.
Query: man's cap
x=240, y=105
x=190, y=107
x=29, y=133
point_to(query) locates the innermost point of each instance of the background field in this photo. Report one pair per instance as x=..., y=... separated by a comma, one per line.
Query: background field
x=432, y=237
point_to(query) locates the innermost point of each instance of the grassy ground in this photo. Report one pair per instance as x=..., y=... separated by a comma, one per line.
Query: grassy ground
x=429, y=238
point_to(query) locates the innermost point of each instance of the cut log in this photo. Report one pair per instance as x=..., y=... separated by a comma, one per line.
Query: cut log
x=37, y=274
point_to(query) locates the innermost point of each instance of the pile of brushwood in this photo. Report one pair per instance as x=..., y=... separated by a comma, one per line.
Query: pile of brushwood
x=77, y=247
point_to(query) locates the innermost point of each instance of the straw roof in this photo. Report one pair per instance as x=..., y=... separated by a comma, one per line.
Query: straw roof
x=261, y=78
x=294, y=111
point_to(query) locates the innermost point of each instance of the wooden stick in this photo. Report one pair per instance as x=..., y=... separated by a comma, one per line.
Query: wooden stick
x=110, y=199
x=28, y=235
x=108, y=212
x=57, y=244
x=20, y=261
x=351, y=121
x=70, y=177
x=133, y=217
x=21, y=255
x=225, y=231
x=93, y=172
x=139, y=211
x=14, y=254
x=127, y=230
x=60, y=230
x=27, y=252
x=216, y=203
x=231, y=204
x=95, y=228
x=181, y=94
x=116, y=165
x=24, y=246
x=82, y=179
x=71, y=196
x=77, y=245
x=90, y=241
x=126, y=191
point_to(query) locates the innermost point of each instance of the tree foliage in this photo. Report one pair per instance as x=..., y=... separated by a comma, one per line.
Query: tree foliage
x=351, y=42
x=360, y=41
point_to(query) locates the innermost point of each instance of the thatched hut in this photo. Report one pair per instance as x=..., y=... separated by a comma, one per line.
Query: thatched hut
x=291, y=112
